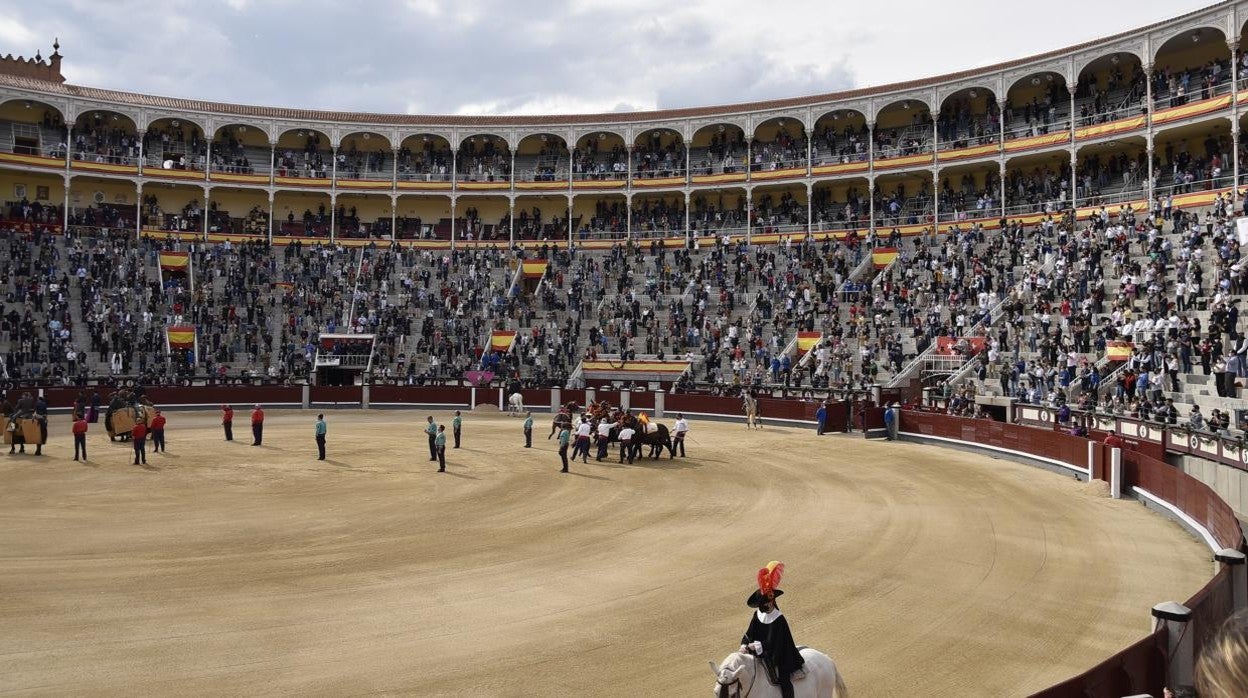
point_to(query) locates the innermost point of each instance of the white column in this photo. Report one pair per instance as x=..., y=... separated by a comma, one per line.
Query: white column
x=1115, y=473
x=1239, y=576
x=1074, y=174
x=871, y=176
x=660, y=399
x=138, y=210
x=333, y=215
x=511, y=221
x=1233, y=45
x=1176, y=618
x=394, y=217
x=453, y=223
x=270, y=216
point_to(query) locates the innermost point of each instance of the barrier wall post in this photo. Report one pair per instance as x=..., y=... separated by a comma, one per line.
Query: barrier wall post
x=1175, y=617
x=659, y=399
x=556, y=399
x=625, y=399
x=472, y=401
x=589, y=396
x=1115, y=473
x=501, y=407
x=1092, y=446
x=307, y=396
x=1239, y=576
x=364, y=395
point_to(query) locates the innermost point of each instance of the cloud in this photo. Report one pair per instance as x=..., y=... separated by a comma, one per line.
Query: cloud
x=507, y=57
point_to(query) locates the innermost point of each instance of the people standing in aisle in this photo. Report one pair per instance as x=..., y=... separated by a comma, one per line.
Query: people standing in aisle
x=257, y=426
x=528, y=430
x=227, y=421
x=321, y=429
x=439, y=443
x=158, y=433
x=681, y=430
x=431, y=430
x=138, y=435
x=456, y=424
x=80, y=437
x=565, y=436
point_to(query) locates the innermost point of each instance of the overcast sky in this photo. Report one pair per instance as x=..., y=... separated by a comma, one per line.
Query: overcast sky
x=540, y=56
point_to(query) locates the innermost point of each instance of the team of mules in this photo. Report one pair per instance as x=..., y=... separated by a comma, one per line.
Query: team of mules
x=657, y=437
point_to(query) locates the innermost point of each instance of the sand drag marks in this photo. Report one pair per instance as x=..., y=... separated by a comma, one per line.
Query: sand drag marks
x=229, y=569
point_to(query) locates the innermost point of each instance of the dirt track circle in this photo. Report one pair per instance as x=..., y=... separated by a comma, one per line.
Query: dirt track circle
x=230, y=569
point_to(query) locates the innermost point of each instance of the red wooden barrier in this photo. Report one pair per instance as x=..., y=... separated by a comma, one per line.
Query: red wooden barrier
x=337, y=394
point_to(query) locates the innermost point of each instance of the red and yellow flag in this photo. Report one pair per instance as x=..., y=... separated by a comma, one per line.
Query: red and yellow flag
x=883, y=256
x=1118, y=351
x=533, y=268
x=502, y=340
x=665, y=367
x=807, y=341
x=174, y=261
x=181, y=336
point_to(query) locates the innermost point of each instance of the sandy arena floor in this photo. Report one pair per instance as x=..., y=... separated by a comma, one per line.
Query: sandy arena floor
x=231, y=570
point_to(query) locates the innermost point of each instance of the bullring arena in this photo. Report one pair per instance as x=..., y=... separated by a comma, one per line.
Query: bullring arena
x=1010, y=297
x=222, y=568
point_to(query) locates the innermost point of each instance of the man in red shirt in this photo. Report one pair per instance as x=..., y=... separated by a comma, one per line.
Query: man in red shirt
x=138, y=435
x=257, y=426
x=158, y=432
x=227, y=421
x=1113, y=440
x=80, y=436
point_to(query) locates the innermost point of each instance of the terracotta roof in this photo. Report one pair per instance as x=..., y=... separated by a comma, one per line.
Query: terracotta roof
x=262, y=112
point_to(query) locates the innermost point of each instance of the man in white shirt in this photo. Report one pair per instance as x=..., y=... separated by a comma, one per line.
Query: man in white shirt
x=626, y=444
x=583, y=431
x=604, y=438
x=678, y=437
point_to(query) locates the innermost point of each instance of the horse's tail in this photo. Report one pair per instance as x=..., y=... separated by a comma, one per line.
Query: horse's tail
x=838, y=688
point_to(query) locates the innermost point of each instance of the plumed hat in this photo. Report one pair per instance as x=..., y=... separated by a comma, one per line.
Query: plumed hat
x=768, y=581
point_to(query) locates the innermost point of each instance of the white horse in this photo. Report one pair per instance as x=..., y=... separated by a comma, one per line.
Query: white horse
x=749, y=404
x=744, y=676
x=515, y=404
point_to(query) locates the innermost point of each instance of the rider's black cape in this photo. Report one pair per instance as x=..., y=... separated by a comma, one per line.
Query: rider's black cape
x=779, y=652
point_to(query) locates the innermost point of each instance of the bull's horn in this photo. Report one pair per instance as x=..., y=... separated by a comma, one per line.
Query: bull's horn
x=714, y=668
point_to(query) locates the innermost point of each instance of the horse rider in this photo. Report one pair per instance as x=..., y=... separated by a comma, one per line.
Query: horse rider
x=768, y=636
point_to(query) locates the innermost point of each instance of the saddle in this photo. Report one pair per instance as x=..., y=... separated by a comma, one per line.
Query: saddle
x=793, y=678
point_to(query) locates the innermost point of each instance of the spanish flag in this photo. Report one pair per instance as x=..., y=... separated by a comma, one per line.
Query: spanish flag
x=883, y=256
x=284, y=286
x=807, y=341
x=181, y=336
x=1118, y=351
x=502, y=340
x=174, y=261
x=533, y=268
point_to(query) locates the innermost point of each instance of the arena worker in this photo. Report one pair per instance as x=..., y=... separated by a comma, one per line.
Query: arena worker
x=227, y=421
x=565, y=436
x=681, y=429
x=431, y=431
x=320, y=430
x=528, y=430
x=80, y=436
x=158, y=433
x=439, y=444
x=257, y=425
x=456, y=424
